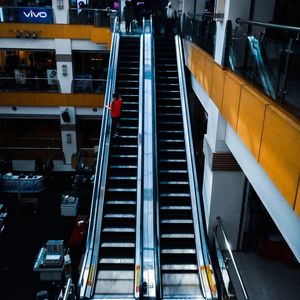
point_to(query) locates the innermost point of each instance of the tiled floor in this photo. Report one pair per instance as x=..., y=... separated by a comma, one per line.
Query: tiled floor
x=266, y=279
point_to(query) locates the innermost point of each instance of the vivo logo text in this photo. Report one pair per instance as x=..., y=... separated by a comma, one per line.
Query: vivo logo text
x=32, y=14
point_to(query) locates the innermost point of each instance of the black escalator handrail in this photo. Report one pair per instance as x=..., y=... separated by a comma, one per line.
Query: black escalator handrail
x=103, y=141
x=220, y=226
x=268, y=25
x=202, y=251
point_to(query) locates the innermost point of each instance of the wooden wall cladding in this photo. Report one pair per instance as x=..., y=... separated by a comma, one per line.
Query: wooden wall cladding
x=218, y=85
x=271, y=134
x=251, y=119
x=59, y=31
x=51, y=99
x=280, y=152
x=231, y=98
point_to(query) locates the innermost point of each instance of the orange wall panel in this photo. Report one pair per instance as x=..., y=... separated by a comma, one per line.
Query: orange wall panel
x=280, y=149
x=231, y=98
x=51, y=99
x=217, y=85
x=297, y=204
x=87, y=32
x=208, y=74
x=251, y=119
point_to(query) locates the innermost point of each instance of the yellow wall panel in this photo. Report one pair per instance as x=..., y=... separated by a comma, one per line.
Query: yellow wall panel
x=67, y=31
x=217, y=85
x=280, y=149
x=251, y=118
x=231, y=98
x=208, y=74
x=51, y=99
x=297, y=204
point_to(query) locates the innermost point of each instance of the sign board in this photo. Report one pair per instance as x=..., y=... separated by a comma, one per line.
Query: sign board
x=35, y=15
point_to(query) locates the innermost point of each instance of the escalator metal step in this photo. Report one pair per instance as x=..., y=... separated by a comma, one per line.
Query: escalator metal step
x=173, y=160
x=118, y=216
x=124, y=190
x=179, y=267
x=116, y=261
x=176, y=208
x=176, y=221
x=120, y=202
x=174, y=195
x=122, y=229
x=177, y=236
x=178, y=251
x=117, y=245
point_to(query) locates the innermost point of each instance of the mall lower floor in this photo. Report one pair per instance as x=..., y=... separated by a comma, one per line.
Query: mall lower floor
x=265, y=275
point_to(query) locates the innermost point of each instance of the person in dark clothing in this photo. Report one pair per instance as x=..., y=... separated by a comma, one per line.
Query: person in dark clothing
x=128, y=15
x=115, y=111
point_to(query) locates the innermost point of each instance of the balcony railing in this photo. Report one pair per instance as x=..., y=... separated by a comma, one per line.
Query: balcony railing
x=87, y=85
x=268, y=55
x=13, y=14
x=8, y=84
x=88, y=16
x=201, y=30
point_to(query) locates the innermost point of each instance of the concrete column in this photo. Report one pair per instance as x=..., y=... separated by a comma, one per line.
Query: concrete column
x=232, y=10
x=60, y=11
x=68, y=134
x=64, y=64
x=223, y=182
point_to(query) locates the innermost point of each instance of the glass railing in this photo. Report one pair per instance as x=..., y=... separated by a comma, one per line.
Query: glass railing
x=268, y=56
x=8, y=84
x=87, y=85
x=88, y=16
x=12, y=14
x=201, y=30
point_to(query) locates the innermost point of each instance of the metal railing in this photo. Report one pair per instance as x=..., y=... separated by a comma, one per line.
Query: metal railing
x=18, y=14
x=207, y=280
x=228, y=261
x=200, y=29
x=22, y=83
x=68, y=292
x=90, y=16
x=268, y=56
x=88, y=271
x=84, y=85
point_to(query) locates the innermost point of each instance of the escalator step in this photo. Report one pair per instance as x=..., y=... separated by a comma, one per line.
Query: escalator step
x=118, y=216
x=176, y=221
x=183, y=267
x=122, y=229
x=178, y=251
x=120, y=202
x=117, y=245
x=175, y=208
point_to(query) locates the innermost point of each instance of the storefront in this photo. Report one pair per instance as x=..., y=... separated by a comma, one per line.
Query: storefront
x=28, y=70
x=90, y=71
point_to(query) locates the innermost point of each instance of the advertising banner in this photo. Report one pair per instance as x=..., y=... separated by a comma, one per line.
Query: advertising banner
x=35, y=15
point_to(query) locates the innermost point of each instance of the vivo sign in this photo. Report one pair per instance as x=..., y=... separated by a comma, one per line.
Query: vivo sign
x=35, y=15
x=32, y=14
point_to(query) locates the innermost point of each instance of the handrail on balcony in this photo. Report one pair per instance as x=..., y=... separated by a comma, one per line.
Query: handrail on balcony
x=268, y=25
x=220, y=225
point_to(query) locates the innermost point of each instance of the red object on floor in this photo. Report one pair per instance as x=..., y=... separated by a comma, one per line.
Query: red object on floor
x=79, y=231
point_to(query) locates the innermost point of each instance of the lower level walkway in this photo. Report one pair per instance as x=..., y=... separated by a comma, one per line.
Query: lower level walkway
x=27, y=231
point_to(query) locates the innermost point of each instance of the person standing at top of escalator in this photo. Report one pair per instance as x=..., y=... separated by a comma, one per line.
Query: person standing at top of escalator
x=127, y=15
x=170, y=19
x=115, y=112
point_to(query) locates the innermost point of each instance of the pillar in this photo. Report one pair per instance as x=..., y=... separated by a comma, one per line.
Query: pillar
x=60, y=11
x=68, y=133
x=64, y=64
x=223, y=181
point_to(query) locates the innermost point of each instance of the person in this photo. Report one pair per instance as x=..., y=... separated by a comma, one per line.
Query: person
x=127, y=15
x=170, y=15
x=115, y=111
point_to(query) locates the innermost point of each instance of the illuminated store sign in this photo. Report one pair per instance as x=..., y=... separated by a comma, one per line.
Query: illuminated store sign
x=35, y=15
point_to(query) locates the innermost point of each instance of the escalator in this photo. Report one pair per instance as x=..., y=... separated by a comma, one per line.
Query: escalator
x=110, y=269
x=181, y=265
x=116, y=263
